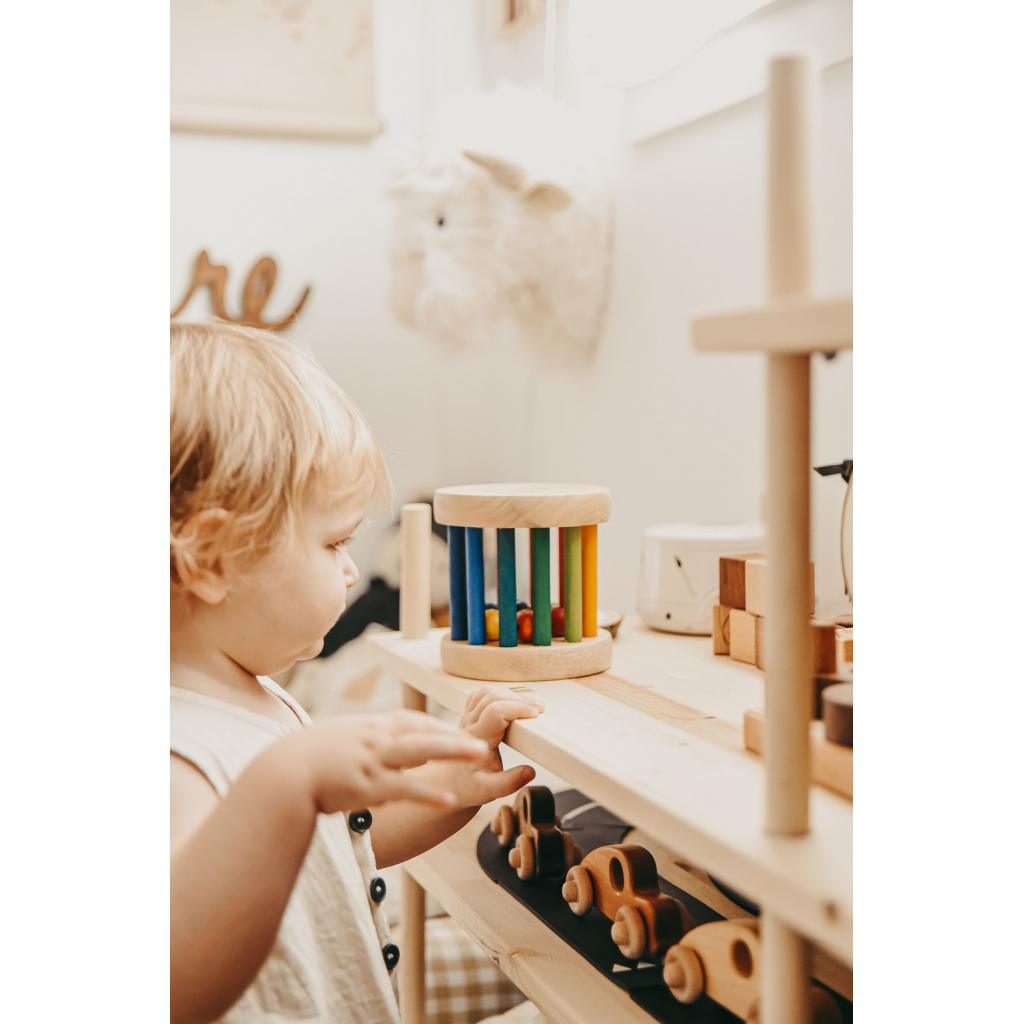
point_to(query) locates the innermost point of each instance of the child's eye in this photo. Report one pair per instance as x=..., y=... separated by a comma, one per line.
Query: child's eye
x=342, y=544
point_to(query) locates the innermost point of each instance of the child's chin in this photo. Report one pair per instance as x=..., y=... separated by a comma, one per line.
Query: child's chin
x=312, y=650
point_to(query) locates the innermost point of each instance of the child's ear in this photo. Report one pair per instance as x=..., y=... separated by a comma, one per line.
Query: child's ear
x=200, y=571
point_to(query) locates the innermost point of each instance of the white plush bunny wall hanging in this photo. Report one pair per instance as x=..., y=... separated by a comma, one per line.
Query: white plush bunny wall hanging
x=508, y=244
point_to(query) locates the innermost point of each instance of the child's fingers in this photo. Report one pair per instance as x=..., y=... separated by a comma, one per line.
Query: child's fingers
x=493, y=697
x=478, y=695
x=413, y=749
x=495, y=785
x=499, y=714
x=404, y=786
x=406, y=721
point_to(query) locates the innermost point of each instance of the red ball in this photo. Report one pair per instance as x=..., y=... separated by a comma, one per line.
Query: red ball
x=558, y=621
x=525, y=617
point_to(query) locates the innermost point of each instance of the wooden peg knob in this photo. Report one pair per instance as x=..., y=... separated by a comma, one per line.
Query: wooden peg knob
x=619, y=933
x=569, y=892
x=514, y=858
x=837, y=703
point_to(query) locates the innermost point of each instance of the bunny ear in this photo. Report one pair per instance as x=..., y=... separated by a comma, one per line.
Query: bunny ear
x=544, y=195
x=505, y=172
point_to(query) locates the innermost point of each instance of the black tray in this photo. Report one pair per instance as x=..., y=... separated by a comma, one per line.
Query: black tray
x=593, y=826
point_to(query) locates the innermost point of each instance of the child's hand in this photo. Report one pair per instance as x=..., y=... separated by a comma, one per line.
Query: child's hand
x=487, y=716
x=356, y=761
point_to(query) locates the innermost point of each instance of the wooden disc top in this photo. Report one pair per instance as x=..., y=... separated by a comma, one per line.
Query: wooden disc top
x=522, y=505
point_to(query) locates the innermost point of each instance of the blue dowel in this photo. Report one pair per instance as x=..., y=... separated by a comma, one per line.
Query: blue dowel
x=475, y=585
x=508, y=625
x=457, y=581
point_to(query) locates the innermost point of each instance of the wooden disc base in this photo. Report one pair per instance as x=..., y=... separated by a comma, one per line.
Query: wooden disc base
x=527, y=663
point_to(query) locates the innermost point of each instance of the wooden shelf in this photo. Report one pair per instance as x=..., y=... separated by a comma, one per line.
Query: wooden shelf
x=658, y=739
x=792, y=326
x=547, y=970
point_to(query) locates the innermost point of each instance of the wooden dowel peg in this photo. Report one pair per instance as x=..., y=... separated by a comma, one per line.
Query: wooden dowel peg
x=508, y=633
x=541, y=586
x=561, y=566
x=414, y=587
x=588, y=539
x=786, y=969
x=788, y=641
x=573, y=585
x=457, y=581
x=476, y=624
x=412, y=974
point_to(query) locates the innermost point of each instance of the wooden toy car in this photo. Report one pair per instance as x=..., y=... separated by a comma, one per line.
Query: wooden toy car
x=723, y=959
x=541, y=848
x=622, y=882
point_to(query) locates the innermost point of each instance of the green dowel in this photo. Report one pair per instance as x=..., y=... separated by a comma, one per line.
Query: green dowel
x=508, y=627
x=541, y=596
x=573, y=585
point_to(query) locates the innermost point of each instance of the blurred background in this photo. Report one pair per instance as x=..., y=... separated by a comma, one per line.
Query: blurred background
x=294, y=120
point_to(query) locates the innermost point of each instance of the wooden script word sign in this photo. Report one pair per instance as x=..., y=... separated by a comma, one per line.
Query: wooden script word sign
x=255, y=294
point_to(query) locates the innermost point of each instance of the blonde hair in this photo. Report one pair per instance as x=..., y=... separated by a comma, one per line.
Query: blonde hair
x=254, y=421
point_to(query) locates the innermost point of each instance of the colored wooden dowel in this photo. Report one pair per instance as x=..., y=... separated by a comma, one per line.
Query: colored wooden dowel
x=457, y=581
x=588, y=536
x=476, y=627
x=573, y=585
x=508, y=628
x=540, y=595
x=529, y=533
x=561, y=566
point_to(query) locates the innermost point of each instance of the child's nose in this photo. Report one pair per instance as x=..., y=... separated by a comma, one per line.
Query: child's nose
x=351, y=572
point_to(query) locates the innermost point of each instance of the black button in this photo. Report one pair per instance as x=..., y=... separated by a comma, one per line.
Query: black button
x=378, y=889
x=391, y=955
x=360, y=821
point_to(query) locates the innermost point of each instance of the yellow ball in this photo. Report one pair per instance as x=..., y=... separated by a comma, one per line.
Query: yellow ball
x=491, y=623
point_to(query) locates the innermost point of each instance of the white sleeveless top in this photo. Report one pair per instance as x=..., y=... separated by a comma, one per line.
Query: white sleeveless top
x=328, y=961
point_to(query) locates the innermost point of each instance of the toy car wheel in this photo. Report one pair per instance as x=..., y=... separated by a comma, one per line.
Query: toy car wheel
x=523, y=858
x=683, y=973
x=629, y=933
x=578, y=890
x=504, y=826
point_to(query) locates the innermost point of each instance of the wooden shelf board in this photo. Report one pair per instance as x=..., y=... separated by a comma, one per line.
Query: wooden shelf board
x=793, y=327
x=658, y=739
x=550, y=972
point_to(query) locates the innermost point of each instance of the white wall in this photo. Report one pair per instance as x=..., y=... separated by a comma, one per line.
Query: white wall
x=676, y=435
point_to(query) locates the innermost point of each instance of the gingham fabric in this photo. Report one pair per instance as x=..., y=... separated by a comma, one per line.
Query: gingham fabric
x=463, y=985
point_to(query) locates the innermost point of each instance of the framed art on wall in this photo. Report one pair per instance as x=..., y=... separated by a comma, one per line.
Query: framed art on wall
x=299, y=68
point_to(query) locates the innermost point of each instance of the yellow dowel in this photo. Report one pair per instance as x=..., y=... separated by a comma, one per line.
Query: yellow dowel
x=588, y=535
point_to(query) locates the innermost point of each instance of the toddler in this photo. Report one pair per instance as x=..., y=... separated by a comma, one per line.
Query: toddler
x=278, y=825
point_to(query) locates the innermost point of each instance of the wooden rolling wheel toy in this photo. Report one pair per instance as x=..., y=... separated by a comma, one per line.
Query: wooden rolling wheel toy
x=504, y=826
x=723, y=959
x=622, y=882
x=539, y=848
x=541, y=640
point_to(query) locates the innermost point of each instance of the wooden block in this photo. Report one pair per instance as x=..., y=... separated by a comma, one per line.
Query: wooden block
x=720, y=629
x=756, y=586
x=746, y=636
x=821, y=682
x=823, y=648
x=732, y=577
x=844, y=644
x=837, y=702
x=831, y=764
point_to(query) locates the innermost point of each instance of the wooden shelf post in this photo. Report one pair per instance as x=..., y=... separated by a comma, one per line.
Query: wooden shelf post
x=785, y=995
x=414, y=622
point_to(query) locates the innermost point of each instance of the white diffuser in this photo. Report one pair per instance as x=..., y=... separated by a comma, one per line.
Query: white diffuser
x=679, y=571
